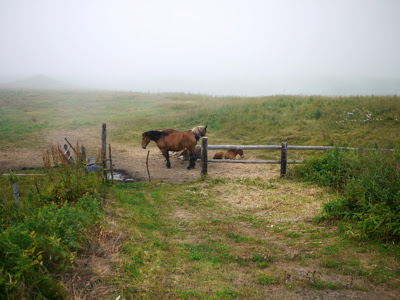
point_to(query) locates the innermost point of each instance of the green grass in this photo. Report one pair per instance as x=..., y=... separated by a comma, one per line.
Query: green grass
x=367, y=186
x=299, y=120
x=191, y=240
x=40, y=237
x=264, y=280
x=187, y=244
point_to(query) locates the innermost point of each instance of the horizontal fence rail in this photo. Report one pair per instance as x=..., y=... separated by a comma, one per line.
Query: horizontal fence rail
x=238, y=161
x=243, y=147
x=283, y=162
x=331, y=147
x=277, y=147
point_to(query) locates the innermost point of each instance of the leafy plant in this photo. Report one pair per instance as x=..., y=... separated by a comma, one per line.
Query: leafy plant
x=40, y=239
x=265, y=280
x=368, y=187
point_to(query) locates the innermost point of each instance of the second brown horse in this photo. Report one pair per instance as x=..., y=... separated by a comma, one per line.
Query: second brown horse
x=230, y=154
x=172, y=141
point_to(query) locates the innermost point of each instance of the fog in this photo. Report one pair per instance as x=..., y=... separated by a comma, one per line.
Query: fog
x=218, y=47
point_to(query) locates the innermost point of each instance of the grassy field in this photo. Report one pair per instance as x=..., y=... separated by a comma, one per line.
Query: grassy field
x=246, y=239
x=299, y=120
x=216, y=238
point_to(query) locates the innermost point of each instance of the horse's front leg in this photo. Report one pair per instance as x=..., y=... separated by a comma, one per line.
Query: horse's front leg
x=166, y=155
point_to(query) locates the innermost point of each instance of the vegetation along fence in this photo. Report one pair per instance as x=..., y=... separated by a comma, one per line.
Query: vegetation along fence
x=283, y=161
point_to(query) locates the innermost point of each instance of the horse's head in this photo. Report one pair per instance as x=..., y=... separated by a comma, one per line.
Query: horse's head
x=240, y=152
x=145, y=140
x=200, y=130
x=203, y=130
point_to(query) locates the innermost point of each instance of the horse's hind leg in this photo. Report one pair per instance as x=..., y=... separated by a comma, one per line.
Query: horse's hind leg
x=166, y=155
x=192, y=160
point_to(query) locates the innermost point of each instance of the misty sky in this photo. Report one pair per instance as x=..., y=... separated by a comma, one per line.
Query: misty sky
x=210, y=46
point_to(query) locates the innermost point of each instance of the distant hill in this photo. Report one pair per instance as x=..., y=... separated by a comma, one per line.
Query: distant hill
x=37, y=82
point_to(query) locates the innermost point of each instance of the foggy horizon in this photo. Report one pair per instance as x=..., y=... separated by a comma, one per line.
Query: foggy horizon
x=250, y=48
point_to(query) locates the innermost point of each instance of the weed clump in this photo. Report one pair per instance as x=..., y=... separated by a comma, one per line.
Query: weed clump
x=367, y=185
x=40, y=237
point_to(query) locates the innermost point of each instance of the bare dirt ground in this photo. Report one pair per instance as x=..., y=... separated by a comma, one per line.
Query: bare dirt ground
x=131, y=159
x=134, y=162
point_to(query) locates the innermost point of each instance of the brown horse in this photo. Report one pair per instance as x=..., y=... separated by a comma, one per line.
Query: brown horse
x=174, y=141
x=199, y=130
x=219, y=155
x=230, y=154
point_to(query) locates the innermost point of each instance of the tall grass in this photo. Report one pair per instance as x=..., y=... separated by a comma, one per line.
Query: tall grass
x=368, y=185
x=307, y=120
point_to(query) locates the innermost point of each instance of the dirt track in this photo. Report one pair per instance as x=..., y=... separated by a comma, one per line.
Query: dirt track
x=132, y=159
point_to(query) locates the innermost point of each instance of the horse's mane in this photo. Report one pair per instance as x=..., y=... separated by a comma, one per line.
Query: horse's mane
x=200, y=130
x=155, y=135
x=197, y=136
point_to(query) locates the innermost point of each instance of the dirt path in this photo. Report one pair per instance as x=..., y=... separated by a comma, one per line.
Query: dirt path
x=228, y=239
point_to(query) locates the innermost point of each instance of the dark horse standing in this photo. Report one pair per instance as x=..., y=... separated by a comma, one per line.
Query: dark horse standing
x=173, y=141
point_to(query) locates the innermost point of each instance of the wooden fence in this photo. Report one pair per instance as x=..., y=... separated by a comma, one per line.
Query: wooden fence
x=283, y=161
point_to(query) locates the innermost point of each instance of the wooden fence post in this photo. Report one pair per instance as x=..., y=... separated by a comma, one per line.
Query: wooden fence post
x=111, y=165
x=283, y=159
x=104, y=146
x=16, y=193
x=83, y=154
x=204, y=155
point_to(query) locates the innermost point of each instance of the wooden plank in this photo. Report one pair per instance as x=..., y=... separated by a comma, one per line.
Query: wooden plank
x=68, y=154
x=330, y=147
x=70, y=146
x=243, y=147
x=237, y=161
x=277, y=147
x=315, y=148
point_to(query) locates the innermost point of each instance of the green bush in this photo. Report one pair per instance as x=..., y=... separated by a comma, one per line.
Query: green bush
x=331, y=169
x=368, y=186
x=40, y=238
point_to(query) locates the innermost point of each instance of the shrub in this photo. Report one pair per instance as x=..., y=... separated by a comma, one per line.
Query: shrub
x=331, y=169
x=368, y=186
x=43, y=243
x=40, y=238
